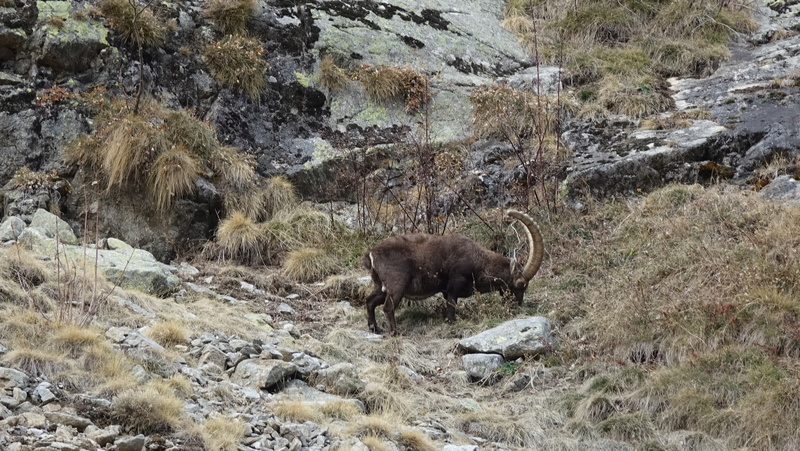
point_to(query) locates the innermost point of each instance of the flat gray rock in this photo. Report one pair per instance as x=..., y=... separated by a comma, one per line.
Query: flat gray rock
x=512, y=339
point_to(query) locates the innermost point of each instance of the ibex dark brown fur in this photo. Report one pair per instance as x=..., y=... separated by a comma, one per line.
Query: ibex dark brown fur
x=418, y=266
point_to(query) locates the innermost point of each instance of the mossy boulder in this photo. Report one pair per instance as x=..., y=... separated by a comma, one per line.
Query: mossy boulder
x=67, y=42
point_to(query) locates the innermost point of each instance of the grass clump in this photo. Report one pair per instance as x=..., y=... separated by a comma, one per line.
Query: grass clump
x=120, y=14
x=309, y=264
x=174, y=174
x=147, y=410
x=386, y=84
x=297, y=411
x=73, y=340
x=238, y=62
x=222, y=434
x=241, y=240
x=497, y=428
x=36, y=362
x=503, y=112
x=230, y=16
x=330, y=75
x=169, y=333
x=160, y=151
x=280, y=196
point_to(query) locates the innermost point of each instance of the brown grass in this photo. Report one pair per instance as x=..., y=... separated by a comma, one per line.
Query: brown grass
x=238, y=62
x=689, y=288
x=147, y=410
x=309, y=265
x=174, y=174
x=241, y=239
x=151, y=29
x=231, y=16
x=280, y=196
x=128, y=149
x=386, y=84
x=169, y=333
x=73, y=340
x=36, y=362
x=497, y=428
x=222, y=434
x=602, y=38
x=298, y=411
x=330, y=75
x=184, y=128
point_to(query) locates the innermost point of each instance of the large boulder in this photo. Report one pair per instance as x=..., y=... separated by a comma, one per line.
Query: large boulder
x=11, y=378
x=53, y=227
x=263, y=374
x=68, y=43
x=481, y=366
x=129, y=267
x=512, y=339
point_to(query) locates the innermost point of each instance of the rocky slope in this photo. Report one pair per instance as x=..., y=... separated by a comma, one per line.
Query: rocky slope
x=273, y=379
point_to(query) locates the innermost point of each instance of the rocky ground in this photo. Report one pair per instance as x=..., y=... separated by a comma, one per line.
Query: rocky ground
x=292, y=365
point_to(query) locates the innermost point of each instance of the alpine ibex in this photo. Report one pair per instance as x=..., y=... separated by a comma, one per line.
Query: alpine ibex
x=417, y=266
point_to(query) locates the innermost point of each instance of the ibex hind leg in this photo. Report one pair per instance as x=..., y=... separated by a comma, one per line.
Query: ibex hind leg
x=376, y=298
x=392, y=302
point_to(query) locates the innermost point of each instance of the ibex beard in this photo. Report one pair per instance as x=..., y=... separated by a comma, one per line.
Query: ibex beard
x=418, y=266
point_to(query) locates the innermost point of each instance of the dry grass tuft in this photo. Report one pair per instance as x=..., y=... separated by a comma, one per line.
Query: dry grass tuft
x=24, y=327
x=345, y=288
x=633, y=97
x=279, y=196
x=415, y=440
x=375, y=443
x=18, y=265
x=73, y=340
x=309, y=265
x=36, y=362
x=238, y=62
x=340, y=410
x=174, y=174
x=169, y=333
x=330, y=75
x=231, y=16
x=377, y=426
x=120, y=15
x=184, y=129
x=147, y=410
x=497, y=428
x=298, y=411
x=386, y=84
x=222, y=434
x=383, y=401
x=241, y=239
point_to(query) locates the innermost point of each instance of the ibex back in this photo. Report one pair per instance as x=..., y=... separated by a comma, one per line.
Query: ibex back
x=418, y=266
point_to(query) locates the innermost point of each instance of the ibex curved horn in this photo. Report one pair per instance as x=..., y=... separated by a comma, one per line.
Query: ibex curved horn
x=535, y=243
